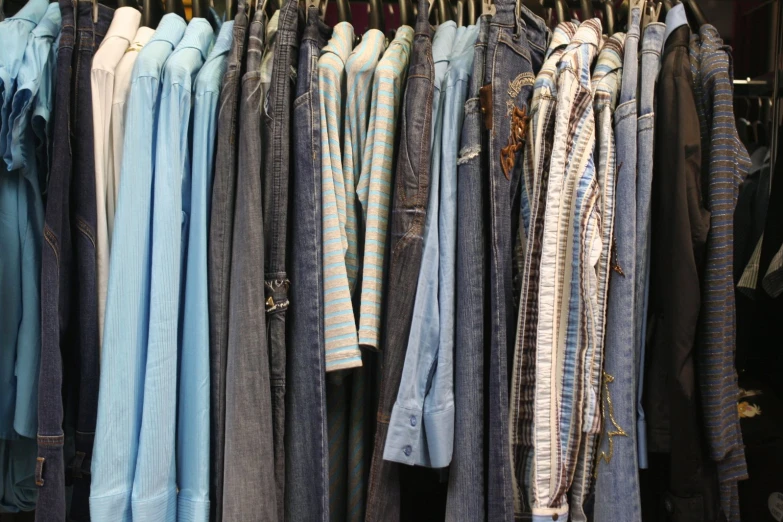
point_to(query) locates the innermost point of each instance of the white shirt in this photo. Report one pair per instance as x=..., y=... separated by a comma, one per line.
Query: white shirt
x=122, y=29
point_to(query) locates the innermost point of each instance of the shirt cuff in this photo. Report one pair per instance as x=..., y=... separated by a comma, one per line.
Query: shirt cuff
x=111, y=508
x=192, y=509
x=419, y=438
x=161, y=507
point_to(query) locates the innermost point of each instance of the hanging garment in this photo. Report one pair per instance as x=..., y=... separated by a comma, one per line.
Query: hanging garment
x=466, y=497
x=249, y=453
x=409, y=208
x=123, y=364
x=122, y=29
x=221, y=233
x=306, y=446
x=193, y=453
x=617, y=493
x=70, y=364
x=538, y=153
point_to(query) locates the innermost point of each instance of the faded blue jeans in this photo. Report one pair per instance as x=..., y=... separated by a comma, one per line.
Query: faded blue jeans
x=617, y=495
x=652, y=46
x=515, y=53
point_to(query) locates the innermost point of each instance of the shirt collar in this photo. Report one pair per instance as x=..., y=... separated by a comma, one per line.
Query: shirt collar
x=341, y=42
x=124, y=24
x=143, y=36
x=223, y=42
x=561, y=37
x=198, y=35
x=443, y=41
x=49, y=26
x=169, y=30
x=589, y=32
x=674, y=18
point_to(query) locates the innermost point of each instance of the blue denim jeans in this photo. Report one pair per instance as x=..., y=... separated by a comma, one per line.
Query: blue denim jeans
x=276, y=175
x=69, y=374
x=409, y=209
x=617, y=469
x=466, y=493
x=221, y=233
x=515, y=52
x=306, y=450
x=650, y=60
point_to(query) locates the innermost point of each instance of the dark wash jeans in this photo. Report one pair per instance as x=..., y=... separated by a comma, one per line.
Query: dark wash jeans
x=306, y=448
x=409, y=210
x=249, y=456
x=466, y=493
x=515, y=52
x=277, y=167
x=69, y=372
x=221, y=233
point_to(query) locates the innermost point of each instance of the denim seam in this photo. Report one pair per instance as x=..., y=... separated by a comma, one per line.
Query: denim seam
x=85, y=229
x=51, y=239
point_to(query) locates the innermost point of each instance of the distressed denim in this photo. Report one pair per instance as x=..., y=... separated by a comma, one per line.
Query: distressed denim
x=409, y=209
x=221, y=233
x=69, y=293
x=650, y=63
x=249, y=464
x=307, y=451
x=515, y=53
x=276, y=123
x=465, y=498
x=617, y=495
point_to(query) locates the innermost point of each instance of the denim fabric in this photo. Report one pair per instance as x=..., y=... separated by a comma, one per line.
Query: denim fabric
x=306, y=450
x=221, y=233
x=249, y=465
x=650, y=63
x=617, y=472
x=51, y=437
x=20, y=234
x=69, y=306
x=423, y=412
x=123, y=364
x=193, y=403
x=268, y=59
x=515, y=53
x=466, y=493
x=409, y=209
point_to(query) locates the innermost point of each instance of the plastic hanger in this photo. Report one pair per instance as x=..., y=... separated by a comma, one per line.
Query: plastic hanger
x=561, y=11
x=488, y=7
x=586, y=6
x=608, y=9
x=471, y=12
x=376, y=15
x=698, y=14
x=458, y=9
x=175, y=6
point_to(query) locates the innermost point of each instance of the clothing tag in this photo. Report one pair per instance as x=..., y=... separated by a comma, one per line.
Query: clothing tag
x=485, y=97
x=775, y=504
x=488, y=7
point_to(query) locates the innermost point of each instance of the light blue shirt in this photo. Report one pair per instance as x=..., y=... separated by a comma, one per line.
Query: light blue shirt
x=21, y=230
x=421, y=429
x=154, y=486
x=126, y=327
x=193, y=406
x=13, y=42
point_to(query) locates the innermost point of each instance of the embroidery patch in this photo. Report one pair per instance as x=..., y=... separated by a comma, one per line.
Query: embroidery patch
x=516, y=139
x=747, y=410
x=618, y=431
x=515, y=85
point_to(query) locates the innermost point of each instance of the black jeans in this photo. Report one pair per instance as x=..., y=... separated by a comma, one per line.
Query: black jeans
x=409, y=210
x=70, y=368
x=221, y=232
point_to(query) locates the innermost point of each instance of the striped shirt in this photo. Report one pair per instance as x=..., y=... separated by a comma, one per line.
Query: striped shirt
x=538, y=149
x=728, y=165
x=342, y=348
x=569, y=241
x=374, y=188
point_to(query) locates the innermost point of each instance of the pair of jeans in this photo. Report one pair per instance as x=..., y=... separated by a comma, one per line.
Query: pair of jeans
x=617, y=495
x=249, y=451
x=465, y=500
x=69, y=296
x=515, y=52
x=306, y=450
x=221, y=233
x=650, y=63
x=276, y=167
x=409, y=210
